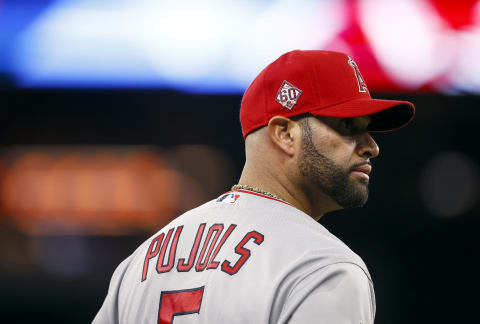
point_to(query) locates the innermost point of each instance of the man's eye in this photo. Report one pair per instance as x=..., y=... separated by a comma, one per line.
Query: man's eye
x=347, y=124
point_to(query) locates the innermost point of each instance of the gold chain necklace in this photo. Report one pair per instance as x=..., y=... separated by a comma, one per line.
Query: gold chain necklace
x=258, y=190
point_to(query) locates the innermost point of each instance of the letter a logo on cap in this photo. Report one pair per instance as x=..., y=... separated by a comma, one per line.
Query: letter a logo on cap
x=362, y=86
x=288, y=95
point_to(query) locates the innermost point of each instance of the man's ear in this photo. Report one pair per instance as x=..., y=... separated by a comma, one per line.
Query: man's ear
x=284, y=133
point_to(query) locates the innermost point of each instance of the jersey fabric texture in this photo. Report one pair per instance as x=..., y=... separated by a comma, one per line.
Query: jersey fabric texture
x=241, y=258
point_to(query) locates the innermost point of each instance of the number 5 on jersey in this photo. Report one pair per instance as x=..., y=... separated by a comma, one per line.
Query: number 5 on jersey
x=179, y=302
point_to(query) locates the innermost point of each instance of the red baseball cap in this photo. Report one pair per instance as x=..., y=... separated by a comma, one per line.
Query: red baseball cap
x=322, y=83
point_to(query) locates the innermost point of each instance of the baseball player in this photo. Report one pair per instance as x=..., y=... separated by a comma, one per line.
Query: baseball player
x=256, y=254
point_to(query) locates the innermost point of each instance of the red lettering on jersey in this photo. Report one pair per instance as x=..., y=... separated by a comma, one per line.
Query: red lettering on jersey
x=214, y=264
x=181, y=266
x=173, y=250
x=202, y=262
x=209, y=251
x=151, y=253
x=243, y=252
x=164, y=247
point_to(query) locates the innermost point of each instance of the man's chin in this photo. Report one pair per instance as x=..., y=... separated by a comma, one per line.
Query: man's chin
x=357, y=196
x=354, y=204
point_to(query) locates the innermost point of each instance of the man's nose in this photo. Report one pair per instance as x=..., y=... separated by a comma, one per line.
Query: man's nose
x=367, y=147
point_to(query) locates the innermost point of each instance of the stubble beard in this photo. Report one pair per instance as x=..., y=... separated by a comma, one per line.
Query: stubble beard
x=327, y=176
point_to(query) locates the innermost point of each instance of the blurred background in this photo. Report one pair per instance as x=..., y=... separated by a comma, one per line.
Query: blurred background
x=117, y=116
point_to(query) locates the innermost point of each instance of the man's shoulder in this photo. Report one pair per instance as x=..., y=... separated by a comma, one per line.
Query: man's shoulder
x=307, y=242
x=283, y=225
x=291, y=237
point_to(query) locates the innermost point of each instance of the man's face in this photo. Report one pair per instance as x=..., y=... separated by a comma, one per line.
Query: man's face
x=335, y=157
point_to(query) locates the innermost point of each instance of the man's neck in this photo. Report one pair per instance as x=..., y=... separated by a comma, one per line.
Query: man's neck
x=305, y=200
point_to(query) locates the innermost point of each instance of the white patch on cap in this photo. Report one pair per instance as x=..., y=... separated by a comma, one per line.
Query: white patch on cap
x=362, y=86
x=288, y=95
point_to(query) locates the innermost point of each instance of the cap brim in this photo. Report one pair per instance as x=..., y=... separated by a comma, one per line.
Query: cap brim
x=387, y=115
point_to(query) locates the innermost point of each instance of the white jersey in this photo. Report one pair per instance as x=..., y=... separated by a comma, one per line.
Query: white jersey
x=241, y=258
